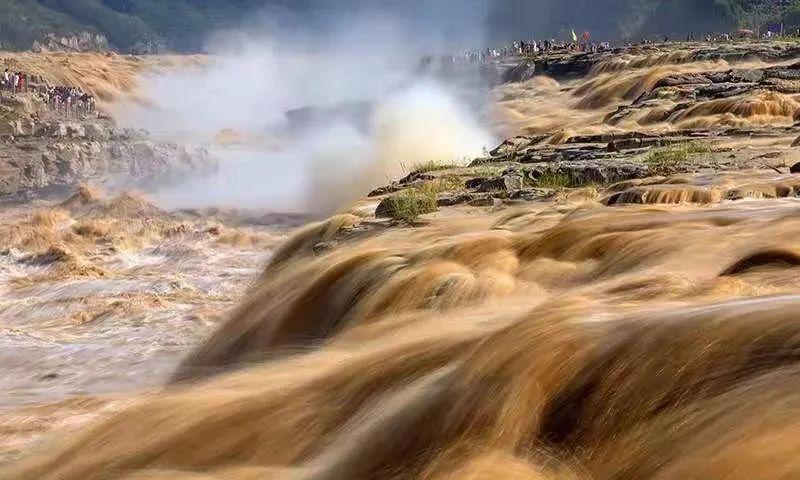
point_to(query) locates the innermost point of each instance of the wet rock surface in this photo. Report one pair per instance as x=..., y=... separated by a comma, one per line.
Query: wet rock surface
x=566, y=65
x=529, y=169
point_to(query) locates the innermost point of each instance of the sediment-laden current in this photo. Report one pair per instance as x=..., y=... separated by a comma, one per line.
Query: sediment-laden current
x=612, y=293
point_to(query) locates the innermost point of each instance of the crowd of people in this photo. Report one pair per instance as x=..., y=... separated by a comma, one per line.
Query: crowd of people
x=575, y=43
x=522, y=48
x=61, y=100
x=69, y=101
x=14, y=82
x=583, y=43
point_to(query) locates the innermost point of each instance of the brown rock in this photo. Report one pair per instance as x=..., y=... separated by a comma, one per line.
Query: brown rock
x=485, y=201
x=505, y=183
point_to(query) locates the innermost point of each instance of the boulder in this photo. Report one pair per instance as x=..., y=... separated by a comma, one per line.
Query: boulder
x=485, y=201
x=789, y=87
x=415, y=177
x=751, y=75
x=530, y=194
x=35, y=175
x=75, y=130
x=475, y=182
x=719, y=77
x=513, y=145
x=784, y=73
x=724, y=90
x=505, y=183
x=684, y=79
x=520, y=73
x=621, y=113
x=96, y=131
x=455, y=199
x=384, y=190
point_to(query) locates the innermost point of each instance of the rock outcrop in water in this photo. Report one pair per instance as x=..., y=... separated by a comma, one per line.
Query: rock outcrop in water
x=565, y=65
x=66, y=153
x=41, y=149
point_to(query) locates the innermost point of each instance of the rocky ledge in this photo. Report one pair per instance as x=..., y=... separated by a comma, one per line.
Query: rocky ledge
x=562, y=65
x=68, y=153
x=39, y=151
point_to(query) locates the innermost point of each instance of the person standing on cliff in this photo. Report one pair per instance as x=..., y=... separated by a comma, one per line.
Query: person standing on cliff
x=69, y=103
x=6, y=80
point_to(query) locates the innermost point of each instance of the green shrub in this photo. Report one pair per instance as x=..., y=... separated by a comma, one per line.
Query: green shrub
x=554, y=179
x=446, y=183
x=668, y=160
x=429, y=166
x=409, y=204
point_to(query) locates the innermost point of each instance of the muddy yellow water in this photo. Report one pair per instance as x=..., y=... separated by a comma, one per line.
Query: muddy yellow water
x=646, y=329
x=543, y=105
x=102, y=296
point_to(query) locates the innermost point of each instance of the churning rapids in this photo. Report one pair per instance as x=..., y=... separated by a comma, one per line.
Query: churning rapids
x=613, y=293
